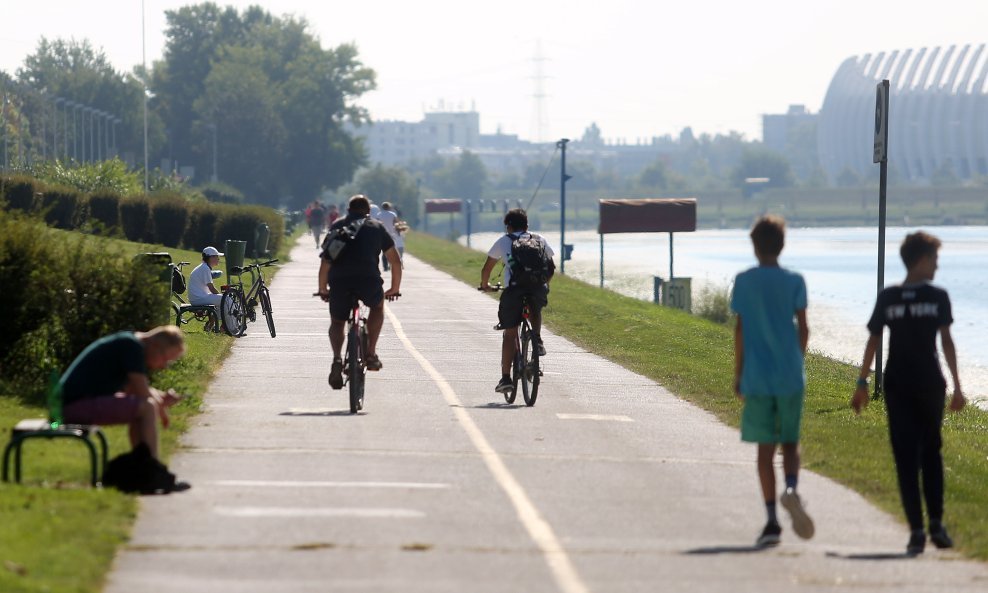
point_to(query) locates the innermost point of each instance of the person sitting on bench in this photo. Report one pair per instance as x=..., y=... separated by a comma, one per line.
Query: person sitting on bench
x=108, y=383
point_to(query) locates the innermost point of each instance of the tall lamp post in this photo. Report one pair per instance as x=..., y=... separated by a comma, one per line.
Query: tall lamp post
x=75, y=130
x=54, y=128
x=215, y=177
x=85, y=110
x=116, y=151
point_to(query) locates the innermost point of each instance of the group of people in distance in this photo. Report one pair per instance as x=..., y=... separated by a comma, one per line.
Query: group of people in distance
x=108, y=382
x=771, y=334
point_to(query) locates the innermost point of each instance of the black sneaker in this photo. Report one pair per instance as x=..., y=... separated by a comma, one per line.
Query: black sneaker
x=505, y=385
x=336, y=374
x=771, y=535
x=940, y=537
x=917, y=543
x=541, y=347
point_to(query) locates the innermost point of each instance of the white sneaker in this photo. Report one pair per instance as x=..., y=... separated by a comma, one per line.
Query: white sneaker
x=802, y=524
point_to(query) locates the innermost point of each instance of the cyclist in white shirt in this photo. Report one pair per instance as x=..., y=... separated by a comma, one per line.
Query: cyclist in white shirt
x=201, y=288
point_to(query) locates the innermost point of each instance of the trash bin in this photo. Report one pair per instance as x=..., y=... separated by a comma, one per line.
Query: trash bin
x=262, y=234
x=234, y=251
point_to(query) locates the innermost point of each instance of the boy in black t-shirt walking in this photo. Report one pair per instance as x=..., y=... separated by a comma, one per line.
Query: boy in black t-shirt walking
x=915, y=312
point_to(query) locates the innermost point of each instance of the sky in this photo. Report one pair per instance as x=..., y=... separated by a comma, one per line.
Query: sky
x=636, y=68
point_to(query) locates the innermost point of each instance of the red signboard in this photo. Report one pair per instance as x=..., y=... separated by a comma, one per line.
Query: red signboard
x=443, y=206
x=676, y=215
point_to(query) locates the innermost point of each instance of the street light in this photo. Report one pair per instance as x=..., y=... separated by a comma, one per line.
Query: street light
x=75, y=130
x=54, y=127
x=85, y=110
x=215, y=175
x=116, y=151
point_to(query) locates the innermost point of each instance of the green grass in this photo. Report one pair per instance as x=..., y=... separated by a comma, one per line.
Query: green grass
x=693, y=358
x=59, y=535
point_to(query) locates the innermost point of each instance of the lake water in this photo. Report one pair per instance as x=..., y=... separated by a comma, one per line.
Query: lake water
x=839, y=265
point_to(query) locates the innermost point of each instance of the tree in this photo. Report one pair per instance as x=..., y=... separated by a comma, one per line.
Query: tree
x=389, y=184
x=757, y=161
x=306, y=94
x=654, y=176
x=75, y=71
x=463, y=178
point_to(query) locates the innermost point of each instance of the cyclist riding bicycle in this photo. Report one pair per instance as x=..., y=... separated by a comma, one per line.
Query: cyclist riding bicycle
x=354, y=272
x=528, y=268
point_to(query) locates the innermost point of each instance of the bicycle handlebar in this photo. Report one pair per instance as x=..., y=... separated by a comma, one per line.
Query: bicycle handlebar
x=494, y=287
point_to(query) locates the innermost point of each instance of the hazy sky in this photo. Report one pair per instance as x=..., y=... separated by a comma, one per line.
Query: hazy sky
x=637, y=68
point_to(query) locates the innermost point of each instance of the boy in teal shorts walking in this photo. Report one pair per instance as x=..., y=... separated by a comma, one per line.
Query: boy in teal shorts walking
x=768, y=370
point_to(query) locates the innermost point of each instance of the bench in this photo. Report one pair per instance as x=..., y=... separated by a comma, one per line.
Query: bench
x=42, y=428
x=202, y=312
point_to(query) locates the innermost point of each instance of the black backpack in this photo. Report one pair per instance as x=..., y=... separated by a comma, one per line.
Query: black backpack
x=528, y=261
x=338, y=238
x=137, y=471
x=178, y=281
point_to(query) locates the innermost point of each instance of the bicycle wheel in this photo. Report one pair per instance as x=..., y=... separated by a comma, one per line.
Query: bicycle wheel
x=266, y=308
x=509, y=396
x=530, y=366
x=355, y=370
x=233, y=311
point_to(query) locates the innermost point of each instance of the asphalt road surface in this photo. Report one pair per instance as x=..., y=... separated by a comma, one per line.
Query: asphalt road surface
x=609, y=484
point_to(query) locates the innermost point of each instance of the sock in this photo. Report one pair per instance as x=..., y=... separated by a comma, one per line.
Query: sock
x=770, y=510
x=791, y=480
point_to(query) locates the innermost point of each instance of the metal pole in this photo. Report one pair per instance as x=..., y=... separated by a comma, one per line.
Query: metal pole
x=144, y=74
x=883, y=180
x=601, y=260
x=92, y=153
x=671, y=276
x=216, y=175
x=76, y=107
x=562, y=205
x=469, y=217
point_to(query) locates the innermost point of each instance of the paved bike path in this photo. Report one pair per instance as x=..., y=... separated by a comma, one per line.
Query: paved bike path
x=610, y=483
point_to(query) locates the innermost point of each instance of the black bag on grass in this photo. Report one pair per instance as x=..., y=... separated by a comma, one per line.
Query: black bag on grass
x=137, y=471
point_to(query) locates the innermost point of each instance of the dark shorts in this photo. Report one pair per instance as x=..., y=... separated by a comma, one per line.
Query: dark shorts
x=119, y=408
x=369, y=289
x=512, y=301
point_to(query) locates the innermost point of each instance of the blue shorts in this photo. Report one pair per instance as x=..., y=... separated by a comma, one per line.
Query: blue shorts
x=768, y=419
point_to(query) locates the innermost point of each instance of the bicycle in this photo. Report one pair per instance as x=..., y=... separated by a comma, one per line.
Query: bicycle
x=525, y=368
x=355, y=357
x=238, y=307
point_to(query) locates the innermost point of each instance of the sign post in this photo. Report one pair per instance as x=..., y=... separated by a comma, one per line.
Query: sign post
x=881, y=156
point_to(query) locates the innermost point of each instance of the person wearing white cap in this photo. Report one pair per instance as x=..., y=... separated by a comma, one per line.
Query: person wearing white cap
x=201, y=288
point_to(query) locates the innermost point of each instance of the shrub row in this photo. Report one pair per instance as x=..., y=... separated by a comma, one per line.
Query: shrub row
x=163, y=217
x=61, y=292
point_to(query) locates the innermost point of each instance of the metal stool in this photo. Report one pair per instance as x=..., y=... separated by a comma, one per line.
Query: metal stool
x=41, y=428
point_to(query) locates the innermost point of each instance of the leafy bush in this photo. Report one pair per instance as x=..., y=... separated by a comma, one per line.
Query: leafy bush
x=222, y=193
x=104, y=208
x=61, y=293
x=101, y=176
x=135, y=218
x=714, y=303
x=169, y=217
x=60, y=207
x=19, y=192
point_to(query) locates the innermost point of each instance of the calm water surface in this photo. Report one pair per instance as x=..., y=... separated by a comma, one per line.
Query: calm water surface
x=839, y=265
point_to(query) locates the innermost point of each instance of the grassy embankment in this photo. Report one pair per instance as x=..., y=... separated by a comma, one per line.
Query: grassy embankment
x=57, y=534
x=693, y=358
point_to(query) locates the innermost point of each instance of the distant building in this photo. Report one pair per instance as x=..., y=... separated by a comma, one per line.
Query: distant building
x=776, y=128
x=395, y=142
x=938, y=113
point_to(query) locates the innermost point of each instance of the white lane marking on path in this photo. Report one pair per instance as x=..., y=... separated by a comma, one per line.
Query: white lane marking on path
x=325, y=484
x=538, y=528
x=604, y=417
x=291, y=512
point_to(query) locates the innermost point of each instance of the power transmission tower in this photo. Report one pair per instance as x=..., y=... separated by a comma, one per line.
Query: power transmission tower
x=540, y=118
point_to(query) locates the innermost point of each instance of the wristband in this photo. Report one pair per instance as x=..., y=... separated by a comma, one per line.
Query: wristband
x=862, y=382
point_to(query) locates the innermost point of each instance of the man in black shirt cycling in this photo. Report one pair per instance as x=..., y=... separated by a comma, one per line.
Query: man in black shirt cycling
x=355, y=273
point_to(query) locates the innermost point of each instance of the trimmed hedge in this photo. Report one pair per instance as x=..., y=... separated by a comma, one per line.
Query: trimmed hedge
x=104, y=208
x=61, y=293
x=164, y=217
x=169, y=218
x=62, y=207
x=135, y=218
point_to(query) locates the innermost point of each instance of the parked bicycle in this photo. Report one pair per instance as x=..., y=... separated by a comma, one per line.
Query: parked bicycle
x=239, y=306
x=186, y=312
x=525, y=368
